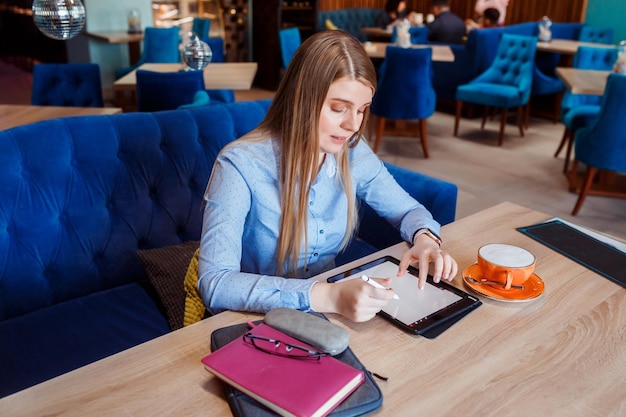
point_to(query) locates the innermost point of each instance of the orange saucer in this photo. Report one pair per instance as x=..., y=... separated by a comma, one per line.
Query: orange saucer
x=533, y=287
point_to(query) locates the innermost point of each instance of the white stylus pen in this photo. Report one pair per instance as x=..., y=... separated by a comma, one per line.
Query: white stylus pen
x=377, y=285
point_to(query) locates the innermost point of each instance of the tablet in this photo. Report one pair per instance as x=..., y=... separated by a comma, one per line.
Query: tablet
x=432, y=310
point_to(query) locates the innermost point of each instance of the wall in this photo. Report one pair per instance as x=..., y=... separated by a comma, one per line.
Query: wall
x=111, y=15
x=608, y=13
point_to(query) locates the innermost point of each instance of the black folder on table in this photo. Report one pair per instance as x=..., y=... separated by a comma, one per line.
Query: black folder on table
x=586, y=250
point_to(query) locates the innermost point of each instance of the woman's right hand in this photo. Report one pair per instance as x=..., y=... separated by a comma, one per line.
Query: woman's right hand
x=353, y=298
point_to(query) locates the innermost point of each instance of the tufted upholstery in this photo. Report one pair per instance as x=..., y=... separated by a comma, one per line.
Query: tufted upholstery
x=405, y=90
x=602, y=145
x=80, y=196
x=67, y=85
x=350, y=19
x=596, y=35
x=160, y=45
x=506, y=83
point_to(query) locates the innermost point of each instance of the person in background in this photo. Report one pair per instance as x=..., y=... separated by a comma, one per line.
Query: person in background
x=395, y=11
x=281, y=201
x=447, y=27
x=488, y=20
x=500, y=5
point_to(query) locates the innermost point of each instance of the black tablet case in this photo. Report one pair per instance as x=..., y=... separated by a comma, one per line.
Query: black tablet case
x=366, y=398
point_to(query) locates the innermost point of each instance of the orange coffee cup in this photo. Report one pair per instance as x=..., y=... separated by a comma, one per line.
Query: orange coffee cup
x=506, y=264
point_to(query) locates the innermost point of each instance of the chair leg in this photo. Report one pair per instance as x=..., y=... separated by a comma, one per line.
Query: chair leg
x=380, y=126
x=459, y=106
x=520, y=120
x=568, y=153
x=485, y=114
x=505, y=113
x=572, y=176
x=424, y=137
x=591, y=172
x=563, y=142
x=527, y=117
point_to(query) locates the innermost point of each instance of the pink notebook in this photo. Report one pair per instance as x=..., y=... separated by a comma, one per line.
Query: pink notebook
x=288, y=386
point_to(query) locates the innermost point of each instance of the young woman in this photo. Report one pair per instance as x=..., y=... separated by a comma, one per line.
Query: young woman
x=281, y=201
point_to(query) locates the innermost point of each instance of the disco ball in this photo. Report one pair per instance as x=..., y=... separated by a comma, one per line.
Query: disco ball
x=196, y=53
x=59, y=19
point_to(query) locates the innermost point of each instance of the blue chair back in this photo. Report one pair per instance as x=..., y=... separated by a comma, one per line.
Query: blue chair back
x=289, y=42
x=160, y=46
x=596, y=35
x=158, y=91
x=201, y=27
x=588, y=57
x=603, y=144
x=405, y=89
x=74, y=85
x=513, y=64
x=418, y=34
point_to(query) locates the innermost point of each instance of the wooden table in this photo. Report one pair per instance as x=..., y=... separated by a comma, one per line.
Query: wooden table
x=121, y=36
x=440, y=52
x=15, y=115
x=562, y=354
x=377, y=33
x=580, y=81
x=217, y=76
x=567, y=46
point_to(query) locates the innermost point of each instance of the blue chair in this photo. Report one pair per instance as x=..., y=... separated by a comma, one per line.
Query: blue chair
x=157, y=91
x=72, y=85
x=405, y=90
x=160, y=45
x=419, y=34
x=217, y=48
x=596, y=35
x=579, y=110
x=290, y=41
x=505, y=84
x=602, y=145
x=201, y=27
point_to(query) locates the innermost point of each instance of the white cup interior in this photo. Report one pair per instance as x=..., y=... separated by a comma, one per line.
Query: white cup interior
x=505, y=255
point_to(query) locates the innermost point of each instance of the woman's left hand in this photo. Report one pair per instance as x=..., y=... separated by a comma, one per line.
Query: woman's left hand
x=426, y=251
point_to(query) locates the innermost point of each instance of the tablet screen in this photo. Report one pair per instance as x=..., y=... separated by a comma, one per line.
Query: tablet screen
x=415, y=310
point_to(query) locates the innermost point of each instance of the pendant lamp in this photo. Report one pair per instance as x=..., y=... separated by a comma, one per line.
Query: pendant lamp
x=59, y=19
x=197, y=54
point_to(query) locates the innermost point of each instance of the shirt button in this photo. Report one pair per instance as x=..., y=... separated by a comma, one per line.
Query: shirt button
x=321, y=232
x=310, y=203
x=315, y=254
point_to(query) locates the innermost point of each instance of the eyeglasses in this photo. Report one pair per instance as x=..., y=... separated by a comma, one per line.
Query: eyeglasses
x=280, y=348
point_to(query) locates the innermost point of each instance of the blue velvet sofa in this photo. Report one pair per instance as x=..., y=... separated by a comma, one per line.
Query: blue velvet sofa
x=351, y=19
x=478, y=52
x=81, y=196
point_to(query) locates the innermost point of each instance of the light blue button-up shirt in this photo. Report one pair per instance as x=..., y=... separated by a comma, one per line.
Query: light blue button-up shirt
x=242, y=215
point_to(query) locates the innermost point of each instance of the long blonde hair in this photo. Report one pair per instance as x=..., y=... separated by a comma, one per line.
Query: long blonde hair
x=294, y=116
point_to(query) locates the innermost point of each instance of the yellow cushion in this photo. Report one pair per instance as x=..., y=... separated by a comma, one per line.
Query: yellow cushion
x=194, y=307
x=330, y=25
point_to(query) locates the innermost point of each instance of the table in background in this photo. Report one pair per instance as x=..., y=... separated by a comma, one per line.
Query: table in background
x=581, y=81
x=12, y=115
x=217, y=76
x=121, y=36
x=567, y=46
x=377, y=33
x=560, y=355
x=439, y=52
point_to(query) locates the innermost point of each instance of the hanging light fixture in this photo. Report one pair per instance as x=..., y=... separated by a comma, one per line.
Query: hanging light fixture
x=59, y=19
x=197, y=54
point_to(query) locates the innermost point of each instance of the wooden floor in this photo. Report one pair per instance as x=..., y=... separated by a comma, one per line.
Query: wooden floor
x=522, y=171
